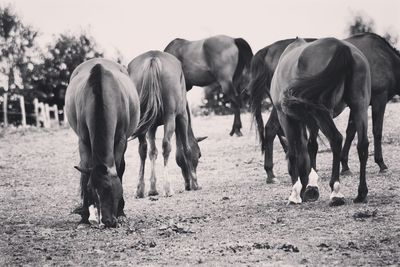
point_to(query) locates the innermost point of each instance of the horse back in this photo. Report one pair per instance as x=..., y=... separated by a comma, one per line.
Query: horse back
x=118, y=94
x=171, y=78
x=384, y=61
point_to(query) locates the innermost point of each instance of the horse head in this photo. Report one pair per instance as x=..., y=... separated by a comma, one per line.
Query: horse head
x=105, y=189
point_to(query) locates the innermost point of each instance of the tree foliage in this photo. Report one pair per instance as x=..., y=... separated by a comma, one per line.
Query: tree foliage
x=362, y=24
x=18, y=49
x=52, y=75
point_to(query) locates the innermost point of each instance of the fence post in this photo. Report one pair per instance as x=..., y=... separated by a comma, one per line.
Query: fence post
x=5, y=118
x=65, y=116
x=55, y=110
x=22, y=104
x=36, y=108
x=47, y=116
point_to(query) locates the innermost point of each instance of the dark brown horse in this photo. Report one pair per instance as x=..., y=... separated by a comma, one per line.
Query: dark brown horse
x=385, y=81
x=218, y=60
x=102, y=107
x=312, y=83
x=159, y=79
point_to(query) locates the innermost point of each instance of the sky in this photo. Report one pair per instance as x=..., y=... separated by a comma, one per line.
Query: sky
x=134, y=27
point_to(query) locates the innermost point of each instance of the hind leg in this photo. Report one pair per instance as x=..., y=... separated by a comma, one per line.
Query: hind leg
x=85, y=163
x=328, y=128
x=313, y=145
x=184, y=153
x=292, y=131
x=362, y=148
x=350, y=133
x=120, y=149
x=229, y=90
x=271, y=130
x=169, y=128
x=151, y=135
x=378, y=111
x=143, y=154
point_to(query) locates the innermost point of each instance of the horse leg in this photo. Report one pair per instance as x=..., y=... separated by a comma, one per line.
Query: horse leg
x=328, y=128
x=310, y=191
x=313, y=145
x=143, y=154
x=181, y=160
x=350, y=133
x=151, y=135
x=378, y=111
x=85, y=163
x=361, y=121
x=229, y=90
x=271, y=129
x=292, y=130
x=120, y=149
x=187, y=157
x=169, y=129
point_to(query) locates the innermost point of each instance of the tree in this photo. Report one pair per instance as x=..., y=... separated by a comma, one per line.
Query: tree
x=18, y=49
x=361, y=24
x=68, y=51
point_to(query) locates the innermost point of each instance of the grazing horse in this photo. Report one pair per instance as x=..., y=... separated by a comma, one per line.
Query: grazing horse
x=220, y=60
x=160, y=82
x=312, y=83
x=102, y=107
x=384, y=62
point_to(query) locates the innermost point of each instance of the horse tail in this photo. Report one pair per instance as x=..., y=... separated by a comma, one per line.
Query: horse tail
x=258, y=89
x=151, y=103
x=310, y=96
x=245, y=55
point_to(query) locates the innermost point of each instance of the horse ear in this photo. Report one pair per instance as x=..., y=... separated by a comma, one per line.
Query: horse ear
x=83, y=170
x=199, y=139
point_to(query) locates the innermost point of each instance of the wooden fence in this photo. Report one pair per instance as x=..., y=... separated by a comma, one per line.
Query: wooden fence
x=42, y=113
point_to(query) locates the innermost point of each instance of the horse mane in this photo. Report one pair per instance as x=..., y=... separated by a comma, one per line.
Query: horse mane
x=245, y=56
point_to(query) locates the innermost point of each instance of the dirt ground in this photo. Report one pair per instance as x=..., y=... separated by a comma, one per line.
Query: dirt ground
x=235, y=219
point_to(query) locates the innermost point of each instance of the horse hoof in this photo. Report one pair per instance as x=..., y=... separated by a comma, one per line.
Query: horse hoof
x=272, y=180
x=153, y=193
x=346, y=172
x=337, y=201
x=360, y=199
x=311, y=194
x=168, y=193
x=383, y=169
x=78, y=210
x=140, y=195
x=292, y=203
x=239, y=133
x=195, y=188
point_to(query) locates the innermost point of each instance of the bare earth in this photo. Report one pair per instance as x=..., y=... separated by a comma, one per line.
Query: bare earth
x=235, y=219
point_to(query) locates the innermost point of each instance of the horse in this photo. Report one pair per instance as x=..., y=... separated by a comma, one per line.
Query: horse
x=216, y=61
x=312, y=83
x=385, y=68
x=160, y=82
x=102, y=107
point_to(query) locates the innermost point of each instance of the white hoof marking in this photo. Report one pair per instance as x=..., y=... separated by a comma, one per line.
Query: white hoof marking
x=313, y=179
x=93, y=215
x=336, y=191
x=295, y=195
